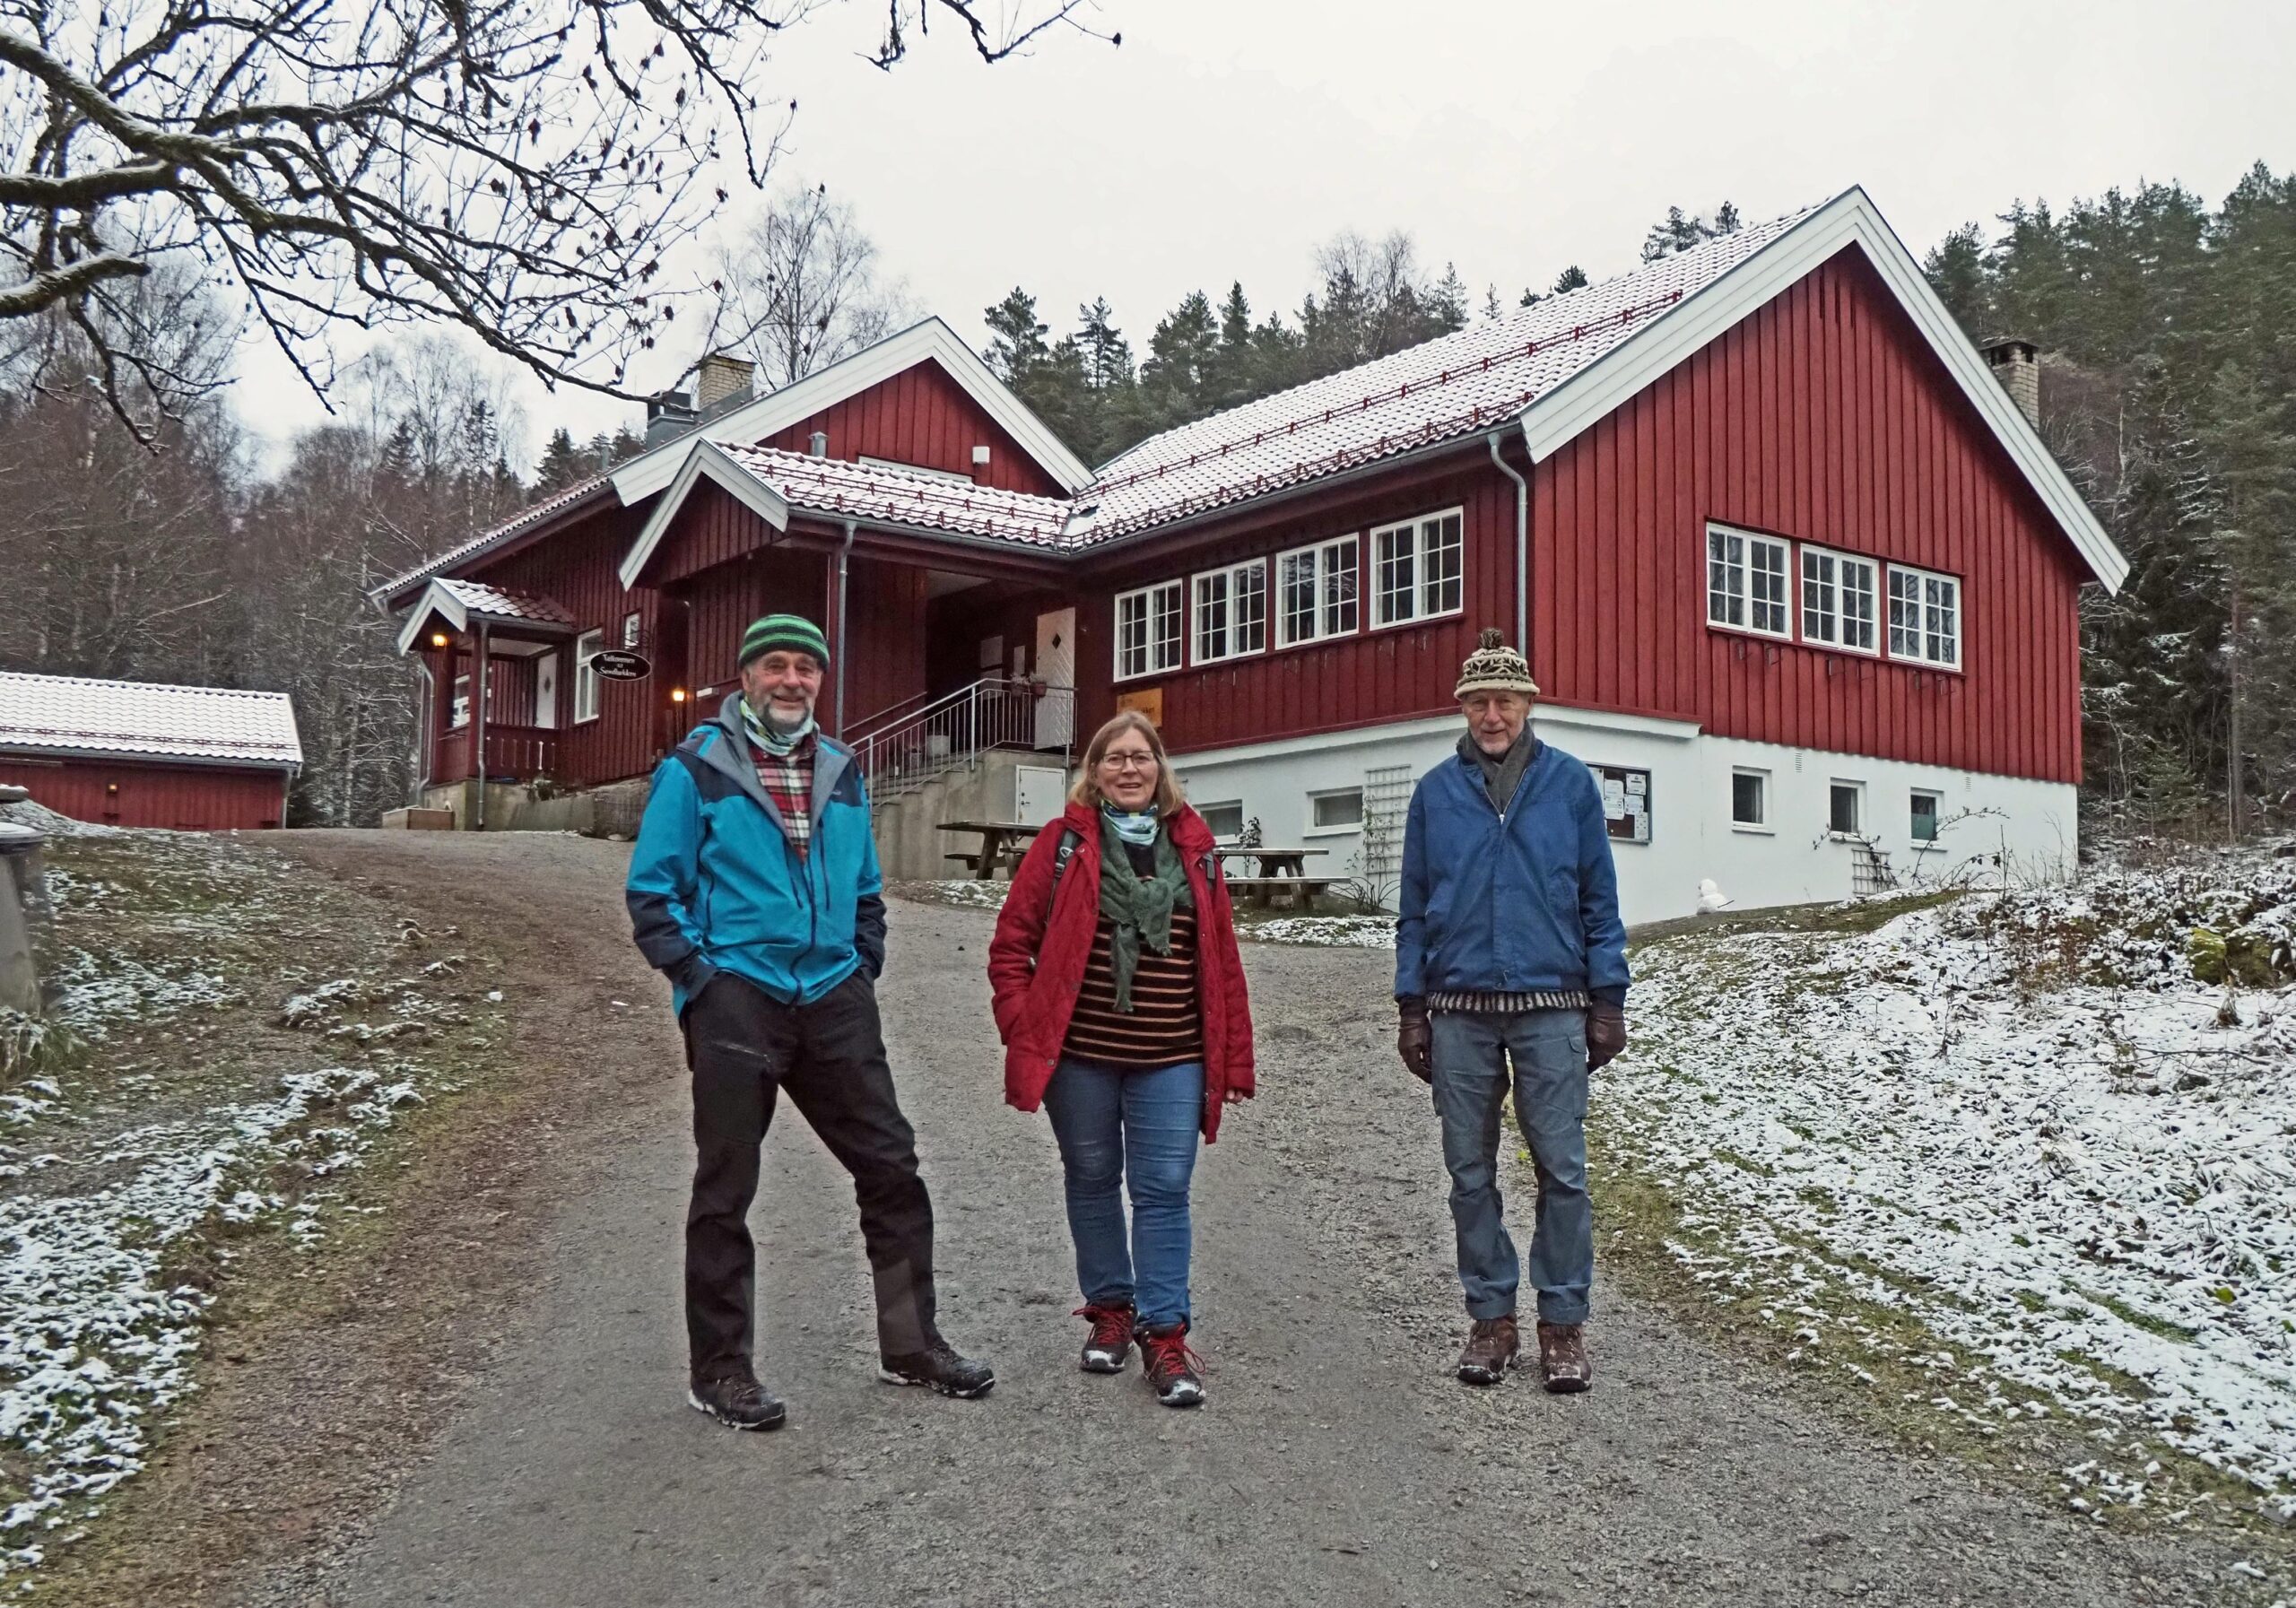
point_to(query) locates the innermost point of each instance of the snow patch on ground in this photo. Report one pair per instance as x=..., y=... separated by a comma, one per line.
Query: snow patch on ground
x=1328, y=932
x=2020, y=1119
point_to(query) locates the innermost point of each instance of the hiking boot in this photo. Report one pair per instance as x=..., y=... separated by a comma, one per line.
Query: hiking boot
x=1562, y=1356
x=737, y=1401
x=1173, y=1371
x=938, y=1368
x=1111, y=1338
x=1493, y=1346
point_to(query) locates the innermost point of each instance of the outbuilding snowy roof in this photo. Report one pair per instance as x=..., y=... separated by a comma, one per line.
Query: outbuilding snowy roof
x=884, y=493
x=1454, y=385
x=68, y=715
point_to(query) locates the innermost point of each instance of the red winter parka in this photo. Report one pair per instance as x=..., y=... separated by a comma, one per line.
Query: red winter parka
x=1043, y=937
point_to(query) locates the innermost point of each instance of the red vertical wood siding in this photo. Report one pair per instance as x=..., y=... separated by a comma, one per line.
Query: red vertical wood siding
x=187, y=797
x=577, y=568
x=921, y=416
x=1825, y=418
x=1359, y=680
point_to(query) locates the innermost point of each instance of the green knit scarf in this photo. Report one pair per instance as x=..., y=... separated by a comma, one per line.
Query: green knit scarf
x=1139, y=910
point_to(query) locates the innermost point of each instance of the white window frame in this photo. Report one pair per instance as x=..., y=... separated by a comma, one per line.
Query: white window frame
x=1419, y=536
x=1344, y=830
x=1936, y=817
x=1921, y=635
x=1857, y=831
x=588, y=684
x=458, y=703
x=1761, y=779
x=631, y=630
x=1826, y=621
x=1720, y=567
x=1322, y=573
x=1236, y=805
x=1152, y=648
x=1226, y=577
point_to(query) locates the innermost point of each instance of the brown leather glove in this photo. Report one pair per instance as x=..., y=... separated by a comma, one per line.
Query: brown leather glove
x=1605, y=1033
x=1415, y=1039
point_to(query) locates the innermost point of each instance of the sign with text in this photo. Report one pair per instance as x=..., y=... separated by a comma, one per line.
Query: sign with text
x=1149, y=702
x=620, y=664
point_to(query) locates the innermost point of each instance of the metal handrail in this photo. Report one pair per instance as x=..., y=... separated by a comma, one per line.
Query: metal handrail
x=862, y=728
x=956, y=728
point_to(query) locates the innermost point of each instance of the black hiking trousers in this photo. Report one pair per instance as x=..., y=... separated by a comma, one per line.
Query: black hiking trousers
x=743, y=1048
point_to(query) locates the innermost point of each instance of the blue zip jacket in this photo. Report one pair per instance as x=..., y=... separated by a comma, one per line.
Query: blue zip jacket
x=1497, y=904
x=716, y=886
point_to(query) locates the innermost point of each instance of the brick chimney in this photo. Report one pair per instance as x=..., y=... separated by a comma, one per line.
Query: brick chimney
x=723, y=376
x=2016, y=364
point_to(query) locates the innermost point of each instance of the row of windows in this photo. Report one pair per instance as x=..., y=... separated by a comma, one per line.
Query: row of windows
x=1418, y=573
x=1750, y=587
x=1845, y=807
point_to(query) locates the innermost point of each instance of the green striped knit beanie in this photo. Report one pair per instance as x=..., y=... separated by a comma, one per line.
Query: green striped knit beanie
x=786, y=633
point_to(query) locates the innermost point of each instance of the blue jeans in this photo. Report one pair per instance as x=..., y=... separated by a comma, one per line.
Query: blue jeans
x=1472, y=1049
x=1135, y=1129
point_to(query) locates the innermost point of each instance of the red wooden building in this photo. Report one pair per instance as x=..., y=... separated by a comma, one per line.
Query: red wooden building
x=137, y=753
x=1797, y=578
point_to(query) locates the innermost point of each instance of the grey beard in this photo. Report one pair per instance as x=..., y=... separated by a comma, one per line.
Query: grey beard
x=782, y=726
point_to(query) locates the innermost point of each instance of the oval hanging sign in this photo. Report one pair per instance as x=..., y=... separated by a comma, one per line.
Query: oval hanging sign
x=621, y=665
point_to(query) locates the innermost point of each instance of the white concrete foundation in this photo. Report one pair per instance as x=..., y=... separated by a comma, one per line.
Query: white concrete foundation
x=1985, y=823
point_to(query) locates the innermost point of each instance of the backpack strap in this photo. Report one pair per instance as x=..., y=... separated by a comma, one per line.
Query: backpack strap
x=1069, y=838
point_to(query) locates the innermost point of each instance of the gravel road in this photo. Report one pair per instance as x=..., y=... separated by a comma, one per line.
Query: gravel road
x=1335, y=1464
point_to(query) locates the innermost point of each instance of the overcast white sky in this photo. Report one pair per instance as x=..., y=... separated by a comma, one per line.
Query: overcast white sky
x=1226, y=137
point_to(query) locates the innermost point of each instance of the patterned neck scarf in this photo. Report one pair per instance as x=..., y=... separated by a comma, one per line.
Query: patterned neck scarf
x=1138, y=829
x=762, y=733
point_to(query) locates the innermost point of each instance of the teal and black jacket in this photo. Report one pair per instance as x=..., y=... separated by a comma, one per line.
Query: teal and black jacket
x=716, y=886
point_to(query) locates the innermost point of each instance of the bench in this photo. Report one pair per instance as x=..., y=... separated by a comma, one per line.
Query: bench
x=1261, y=890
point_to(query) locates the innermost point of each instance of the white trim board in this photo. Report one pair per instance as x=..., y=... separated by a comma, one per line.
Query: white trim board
x=930, y=341
x=703, y=460
x=1447, y=724
x=1850, y=219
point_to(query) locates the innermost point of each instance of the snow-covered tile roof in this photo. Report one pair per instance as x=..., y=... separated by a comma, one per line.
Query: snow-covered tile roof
x=1451, y=387
x=876, y=492
x=525, y=519
x=66, y=714
x=481, y=599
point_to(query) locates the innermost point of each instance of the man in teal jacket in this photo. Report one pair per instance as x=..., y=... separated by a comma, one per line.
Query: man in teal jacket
x=1510, y=954
x=754, y=889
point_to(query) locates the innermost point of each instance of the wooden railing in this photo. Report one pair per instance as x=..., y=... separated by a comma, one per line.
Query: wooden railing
x=517, y=753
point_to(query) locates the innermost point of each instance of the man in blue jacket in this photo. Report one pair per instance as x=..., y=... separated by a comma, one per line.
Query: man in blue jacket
x=754, y=888
x=1509, y=948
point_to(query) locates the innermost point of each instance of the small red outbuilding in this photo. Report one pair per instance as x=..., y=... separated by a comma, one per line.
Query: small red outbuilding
x=138, y=753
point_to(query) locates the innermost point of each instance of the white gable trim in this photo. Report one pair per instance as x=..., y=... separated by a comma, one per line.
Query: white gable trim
x=436, y=599
x=1850, y=219
x=933, y=341
x=703, y=460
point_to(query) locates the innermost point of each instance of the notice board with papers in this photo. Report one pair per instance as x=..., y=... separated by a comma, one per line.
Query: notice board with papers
x=1626, y=801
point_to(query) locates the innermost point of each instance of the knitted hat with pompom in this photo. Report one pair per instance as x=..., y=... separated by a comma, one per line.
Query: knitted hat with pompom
x=1495, y=667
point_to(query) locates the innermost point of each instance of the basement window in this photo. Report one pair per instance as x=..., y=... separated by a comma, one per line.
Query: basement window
x=1225, y=820
x=1750, y=798
x=1925, y=816
x=1845, y=809
x=1339, y=811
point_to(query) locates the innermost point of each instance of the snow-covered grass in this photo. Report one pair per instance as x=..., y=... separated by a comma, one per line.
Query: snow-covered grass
x=1326, y=932
x=229, y=1040
x=2007, y=1157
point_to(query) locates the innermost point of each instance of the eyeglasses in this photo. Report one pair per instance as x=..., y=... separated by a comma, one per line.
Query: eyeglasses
x=1129, y=761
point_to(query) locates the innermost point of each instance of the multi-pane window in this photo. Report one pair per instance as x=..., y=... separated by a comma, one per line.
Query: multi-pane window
x=1315, y=592
x=1838, y=600
x=1925, y=617
x=1231, y=611
x=586, y=680
x=1416, y=568
x=1148, y=630
x=1750, y=797
x=1746, y=581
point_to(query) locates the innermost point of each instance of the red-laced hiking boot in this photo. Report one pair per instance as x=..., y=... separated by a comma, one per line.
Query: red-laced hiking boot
x=1562, y=1357
x=1111, y=1338
x=1173, y=1371
x=1492, y=1347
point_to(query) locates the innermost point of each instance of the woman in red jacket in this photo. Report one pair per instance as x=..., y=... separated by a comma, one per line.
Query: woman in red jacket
x=1120, y=998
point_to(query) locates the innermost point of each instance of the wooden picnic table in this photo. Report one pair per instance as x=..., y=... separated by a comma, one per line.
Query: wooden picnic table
x=1001, y=844
x=1273, y=862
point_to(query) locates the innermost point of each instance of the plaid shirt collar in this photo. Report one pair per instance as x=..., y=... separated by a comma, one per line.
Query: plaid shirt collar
x=788, y=781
